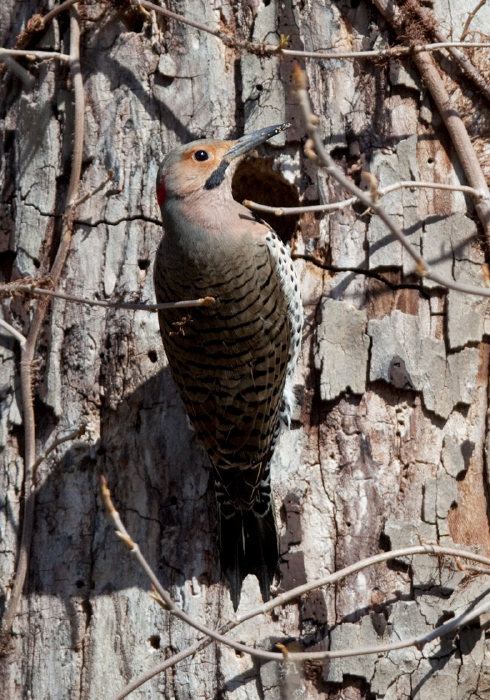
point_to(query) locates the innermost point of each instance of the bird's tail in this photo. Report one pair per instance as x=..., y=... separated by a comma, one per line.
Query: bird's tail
x=248, y=545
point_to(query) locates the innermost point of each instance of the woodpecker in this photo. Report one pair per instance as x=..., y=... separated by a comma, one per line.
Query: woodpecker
x=232, y=361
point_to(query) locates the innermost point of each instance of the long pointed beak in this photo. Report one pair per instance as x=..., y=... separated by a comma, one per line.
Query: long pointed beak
x=249, y=141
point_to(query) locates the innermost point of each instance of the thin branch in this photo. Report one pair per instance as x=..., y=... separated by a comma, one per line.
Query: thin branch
x=422, y=268
x=290, y=211
x=168, y=663
x=459, y=136
x=271, y=49
x=30, y=346
x=110, y=176
x=259, y=49
x=393, y=52
x=166, y=601
x=12, y=289
x=21, y=339
x=180, y=18
x=79, y=120
x=463, y=61
x=56, y=10
x=59, y=441
x=19, y=71
x=290, y=596
x=337, y=576
x=330, y=579
x=334, y=206
x=454, y=124
x=264, y=49
x=470, y=18
x=477, y=194
x=34, y=54
x=472, y=569
x=227, y=39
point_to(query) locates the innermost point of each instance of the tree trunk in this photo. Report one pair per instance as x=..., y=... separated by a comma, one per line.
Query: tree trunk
x=388, y=443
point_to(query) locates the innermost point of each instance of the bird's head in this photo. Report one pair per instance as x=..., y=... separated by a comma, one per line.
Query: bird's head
x=206, y=164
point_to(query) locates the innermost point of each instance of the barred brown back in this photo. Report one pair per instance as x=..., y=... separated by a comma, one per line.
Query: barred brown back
x=229, y=360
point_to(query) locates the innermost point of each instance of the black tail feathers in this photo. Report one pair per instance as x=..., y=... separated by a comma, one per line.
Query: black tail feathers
x=249, y=545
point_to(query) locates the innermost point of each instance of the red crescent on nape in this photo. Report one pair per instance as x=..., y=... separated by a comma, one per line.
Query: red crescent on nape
x=161, y=192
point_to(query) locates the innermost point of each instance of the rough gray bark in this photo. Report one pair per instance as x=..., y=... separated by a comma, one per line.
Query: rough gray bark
x=370, y=463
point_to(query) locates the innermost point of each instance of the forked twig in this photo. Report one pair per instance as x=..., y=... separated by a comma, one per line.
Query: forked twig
x=59, y=441
x=227, y=39
x=168, y=604
x=470, y=18
x=56, y=10
x=454, y=124
x=422, y=267
x=463, y=61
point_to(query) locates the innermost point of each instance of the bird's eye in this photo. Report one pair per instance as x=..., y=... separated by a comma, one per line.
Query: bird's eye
x=201, y=155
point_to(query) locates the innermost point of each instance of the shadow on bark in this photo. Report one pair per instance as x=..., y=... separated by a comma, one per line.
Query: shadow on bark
x=158, y=475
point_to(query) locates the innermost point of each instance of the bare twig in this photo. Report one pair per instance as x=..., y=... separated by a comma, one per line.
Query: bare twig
x=459, y=136
x=337, y=576
x=463, y=61
x=59, y=441
x=56, y=10
x=472, y=568
x=397, y=18
x=470, y=18
x=227, y=39
x=19, y=71
x=35, y=54
x=393, y=52
x=180, y=18
x=30, y=346
x=333, y=206
x=290, y=211
x=271, y=49
x=11, y=289
x=110, y=176
x=21, y=339
x=166, y=601
x=292, y=595
x=454, y=124
x=79, y=122
x=477, y=194
x=421, y=266
x=169, y=663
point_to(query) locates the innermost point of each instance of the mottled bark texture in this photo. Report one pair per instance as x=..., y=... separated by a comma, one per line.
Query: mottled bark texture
x=388, y=446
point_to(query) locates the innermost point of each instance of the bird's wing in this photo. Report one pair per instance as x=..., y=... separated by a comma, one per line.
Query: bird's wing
x=230, y=362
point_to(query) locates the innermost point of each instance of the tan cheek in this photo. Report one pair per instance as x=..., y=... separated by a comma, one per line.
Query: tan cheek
x=187, y=180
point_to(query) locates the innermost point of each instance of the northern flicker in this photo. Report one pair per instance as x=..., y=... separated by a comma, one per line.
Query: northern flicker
x=232, y=361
